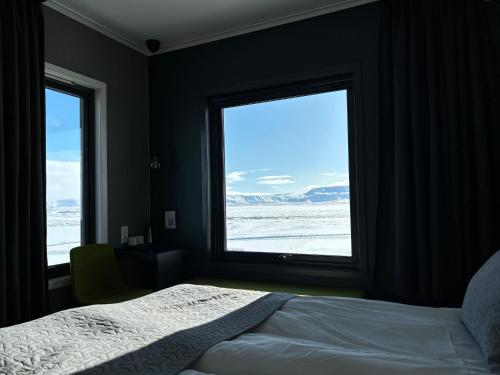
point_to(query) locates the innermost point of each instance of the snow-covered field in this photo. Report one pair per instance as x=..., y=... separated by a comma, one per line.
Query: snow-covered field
x=301, y=228
x=63, y=232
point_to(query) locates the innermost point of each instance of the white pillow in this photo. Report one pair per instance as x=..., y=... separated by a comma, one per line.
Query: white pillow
x=481, y=309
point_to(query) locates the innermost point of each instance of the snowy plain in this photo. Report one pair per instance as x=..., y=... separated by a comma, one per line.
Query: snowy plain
x=317, y=228
x=63, y=232
x=321, y=228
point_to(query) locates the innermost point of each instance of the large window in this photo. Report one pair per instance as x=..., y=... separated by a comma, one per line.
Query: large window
x=281, y=174
x=69, y=165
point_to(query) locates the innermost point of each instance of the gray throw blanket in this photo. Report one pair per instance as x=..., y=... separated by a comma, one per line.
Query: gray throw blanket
x=163, y=332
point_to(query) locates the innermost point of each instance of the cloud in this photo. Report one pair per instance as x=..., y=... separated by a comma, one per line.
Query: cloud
x=53, y=122
x=259, y=170
x=235, y=176
x=66, y=155
x=339, y=183
x=275, y=180
x=231, y=192
x=338, y=179
x=335, y=174
x=63, y=180
x=281, y=181
x=273, y=177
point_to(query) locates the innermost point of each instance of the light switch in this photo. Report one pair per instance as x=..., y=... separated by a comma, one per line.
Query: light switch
x=124, y=234
x=170, y=222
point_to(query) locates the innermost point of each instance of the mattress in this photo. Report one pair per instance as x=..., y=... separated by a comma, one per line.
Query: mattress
x=328, y=335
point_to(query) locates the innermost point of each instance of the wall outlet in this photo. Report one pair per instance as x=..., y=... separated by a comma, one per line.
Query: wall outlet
x=124, y=234
x=170, y=221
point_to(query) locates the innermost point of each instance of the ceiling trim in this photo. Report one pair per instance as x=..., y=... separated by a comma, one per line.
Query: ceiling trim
x=67, y=11
x=338, y=6
x=267, y=24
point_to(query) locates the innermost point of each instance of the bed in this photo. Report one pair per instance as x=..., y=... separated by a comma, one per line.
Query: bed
x=193, y=330
x=329, y=335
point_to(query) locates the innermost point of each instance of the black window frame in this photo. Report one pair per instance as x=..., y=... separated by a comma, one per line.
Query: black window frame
x=216, y=217
x=87, y=123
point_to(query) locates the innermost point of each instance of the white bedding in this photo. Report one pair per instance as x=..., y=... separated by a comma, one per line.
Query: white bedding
x=327, y=335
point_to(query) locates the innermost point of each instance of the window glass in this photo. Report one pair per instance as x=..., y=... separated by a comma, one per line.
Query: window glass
x=287, y=176
x=64, y=174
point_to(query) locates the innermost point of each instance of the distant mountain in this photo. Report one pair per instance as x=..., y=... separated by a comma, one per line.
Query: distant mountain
x=328, y=194
x=315, y=195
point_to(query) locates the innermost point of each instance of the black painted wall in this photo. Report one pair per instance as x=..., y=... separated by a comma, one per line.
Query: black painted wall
x=78, y=48
x=180, y=82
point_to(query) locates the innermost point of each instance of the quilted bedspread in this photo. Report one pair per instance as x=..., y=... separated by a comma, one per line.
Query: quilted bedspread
x=163, y=332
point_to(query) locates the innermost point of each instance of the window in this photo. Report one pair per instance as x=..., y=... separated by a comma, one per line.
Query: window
x=69, y=171
x=283, y=174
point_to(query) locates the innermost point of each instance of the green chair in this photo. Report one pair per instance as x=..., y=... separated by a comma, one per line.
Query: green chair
x=96, y=278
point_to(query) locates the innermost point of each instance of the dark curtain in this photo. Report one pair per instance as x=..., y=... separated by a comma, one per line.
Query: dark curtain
x=438, y=207
x=23, y=283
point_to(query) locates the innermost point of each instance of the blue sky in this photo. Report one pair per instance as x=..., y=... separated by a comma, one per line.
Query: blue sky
x=63, y=138
x=62, y=126
x=287, y=146
x=283, y=146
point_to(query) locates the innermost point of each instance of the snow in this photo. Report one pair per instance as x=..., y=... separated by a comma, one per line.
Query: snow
x=63, y=231
x=300, y=228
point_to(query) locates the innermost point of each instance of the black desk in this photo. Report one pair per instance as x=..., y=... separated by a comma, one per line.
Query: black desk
x=150, y=267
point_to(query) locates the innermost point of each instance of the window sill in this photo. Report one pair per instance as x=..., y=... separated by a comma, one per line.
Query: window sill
x=300, y=261
x=329, y=276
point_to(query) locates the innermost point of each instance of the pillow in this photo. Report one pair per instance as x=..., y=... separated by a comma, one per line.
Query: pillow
x=481, y=309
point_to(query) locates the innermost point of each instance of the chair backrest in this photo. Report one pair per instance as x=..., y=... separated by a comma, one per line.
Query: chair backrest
x=94, y=271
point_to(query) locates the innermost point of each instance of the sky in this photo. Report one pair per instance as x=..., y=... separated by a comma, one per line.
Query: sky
x=282, y=146
x=63, y=146
x=287, y=146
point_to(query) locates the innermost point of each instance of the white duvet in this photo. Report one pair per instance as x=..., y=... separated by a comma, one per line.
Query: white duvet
x=327, y=335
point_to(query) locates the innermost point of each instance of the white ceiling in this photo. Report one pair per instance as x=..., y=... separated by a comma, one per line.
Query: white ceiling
x=183, y=23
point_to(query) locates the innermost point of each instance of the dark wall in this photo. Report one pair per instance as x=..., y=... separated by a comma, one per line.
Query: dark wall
x=180, y=82
x=60, y=299
x=75, y=47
